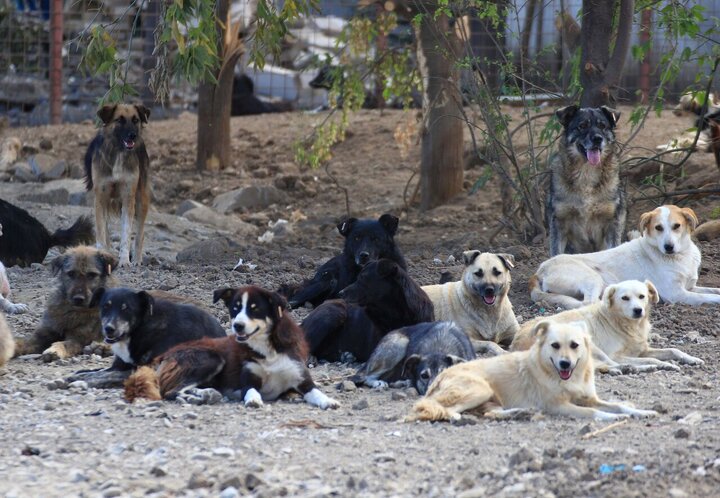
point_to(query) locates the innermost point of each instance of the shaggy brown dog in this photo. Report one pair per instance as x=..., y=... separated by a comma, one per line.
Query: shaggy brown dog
x=69, y=324
x=116, y=169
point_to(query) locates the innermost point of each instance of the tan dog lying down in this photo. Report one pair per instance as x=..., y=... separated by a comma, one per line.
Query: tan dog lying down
x=619, y=326
x=555, y=375
x=478, y=303
x=664, y=254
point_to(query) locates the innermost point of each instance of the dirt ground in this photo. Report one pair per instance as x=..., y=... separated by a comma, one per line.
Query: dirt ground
x=60, y=441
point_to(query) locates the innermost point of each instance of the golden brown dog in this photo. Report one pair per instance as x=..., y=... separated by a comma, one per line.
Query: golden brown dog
x=69, y=324
x=7, y=343
x=116, y=169
x=619, y=326
x=555, y=375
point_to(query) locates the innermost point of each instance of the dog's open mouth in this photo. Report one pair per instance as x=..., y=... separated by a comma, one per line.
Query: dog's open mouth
x=565, y=374
x=129, y=144
x=244, y=336
x=489, y=296
x=112, y=340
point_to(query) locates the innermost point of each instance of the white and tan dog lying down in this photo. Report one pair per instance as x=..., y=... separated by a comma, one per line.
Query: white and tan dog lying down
x=478, y=303
x=665, y=255
x=619, y=326
x=555, y=375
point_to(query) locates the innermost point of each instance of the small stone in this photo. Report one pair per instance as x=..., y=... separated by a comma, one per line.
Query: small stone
x=398, y=395
x=526, y=459
x=24, y=173
x=586, y=429
x=197, y=481
x=252, y=481
x=77, y=476
x=45, y=144
x=78, y=385
x=677, y=493
x=229, y=492
x=578, y=453
x=158, y=472
x=476, y=492
x=692, y=418
x=361, y=405
x=233, y=482
x=56, y=384
x=347, y=386
x=682, y=433
x=224, y=452
x=112, y=492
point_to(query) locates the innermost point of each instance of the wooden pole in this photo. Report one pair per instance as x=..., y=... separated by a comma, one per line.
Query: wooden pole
x=56, y=42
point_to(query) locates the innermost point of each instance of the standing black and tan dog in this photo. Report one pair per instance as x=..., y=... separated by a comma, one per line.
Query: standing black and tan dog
x=585, y=205
x=116, y=169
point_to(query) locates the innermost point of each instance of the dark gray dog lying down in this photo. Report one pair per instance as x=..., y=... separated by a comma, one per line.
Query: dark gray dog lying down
x=416, y=353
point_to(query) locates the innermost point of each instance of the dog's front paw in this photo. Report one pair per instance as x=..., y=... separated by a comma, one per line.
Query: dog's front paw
x=606, y=416
x=54, y=353
x=253, y=399
x=317, y=398
x=377, y=384
x=197, y=396
x=636, y=413
x=17, y=309
x=691, y=360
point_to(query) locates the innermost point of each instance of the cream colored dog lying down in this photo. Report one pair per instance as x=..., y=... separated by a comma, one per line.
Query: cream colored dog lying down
x=619, y=327
x=479, y=303
x=664, y=254
x=555, y=375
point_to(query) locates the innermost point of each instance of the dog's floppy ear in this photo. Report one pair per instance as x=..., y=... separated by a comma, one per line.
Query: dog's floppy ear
x=612, y=115
x=106, y=113
x=146, y=301
x=609, y=294
x=106, y=262
x=645, y=220
x=143, y=113
x=541, y=329
x=389, y=223
x=387, y=267
x=278, y=304
x=508, y=260
x=410, y=364
x=451, y=359
x=470, y=256
x=652, y=291
x=226, y=294
x=345, y=226
x=96, y=297
x=566, y=114
x=690, y=217
x=58, y=263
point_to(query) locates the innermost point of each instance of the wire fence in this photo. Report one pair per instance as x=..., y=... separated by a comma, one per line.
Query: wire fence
x=545, y=30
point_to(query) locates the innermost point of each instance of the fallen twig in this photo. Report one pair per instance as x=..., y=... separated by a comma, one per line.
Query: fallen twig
x=604, y=429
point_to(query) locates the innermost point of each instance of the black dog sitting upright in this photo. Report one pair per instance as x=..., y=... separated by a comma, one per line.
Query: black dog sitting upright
x=365, y=241
x=383, y=298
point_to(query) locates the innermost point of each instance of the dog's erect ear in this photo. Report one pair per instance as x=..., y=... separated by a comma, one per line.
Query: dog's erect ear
x=96, y=297
x=652, y=291
x=410, y=364
x=609, y=295
x=690, y=217
x=58, y=264
x=612, y=115
x=507, y=259
x=345, y=226
x=540, y=329
x=451, y=359
x=143, y=113
x=389, y=223
x=106, y=113
x=107, y=262
x=645, y=220
x=581, y=325
x=469, y=257
x=387, y=267
x=226, y=294
x=146, y=301
x=566, y=114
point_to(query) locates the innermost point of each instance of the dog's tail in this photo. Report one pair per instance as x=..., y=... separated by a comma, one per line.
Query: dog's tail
x=538, y=295
x=89, y=154
x=81, y=232
x=143, y=384
x=428, y=409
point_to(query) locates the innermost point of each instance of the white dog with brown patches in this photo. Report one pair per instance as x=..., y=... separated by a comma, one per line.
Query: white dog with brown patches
x=664, y=254
x=619, y=326
x=555, y=375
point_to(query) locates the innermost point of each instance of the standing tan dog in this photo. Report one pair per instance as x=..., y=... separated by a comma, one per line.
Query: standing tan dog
x=116, y=169
x=69, y=323
x=619, y=326
x=585, y=206
x=479, y=303
x=555, y=375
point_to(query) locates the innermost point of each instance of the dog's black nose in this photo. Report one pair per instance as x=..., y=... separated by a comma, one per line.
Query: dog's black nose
x=78, y=300
x=564, y=365
x=238, y=327
x=109, y=330
x=597, y=139
x=637, y=312
x=132, y=136
x=363, y=258
x=669, y=248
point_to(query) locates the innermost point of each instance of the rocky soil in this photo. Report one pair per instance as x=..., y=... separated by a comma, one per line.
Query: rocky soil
x=68, y=440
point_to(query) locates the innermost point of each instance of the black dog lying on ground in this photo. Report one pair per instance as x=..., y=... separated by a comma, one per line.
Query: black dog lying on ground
x=383, y=298
x=417, y=353
x=365, y=241
x=25, y=240
x=140, y=327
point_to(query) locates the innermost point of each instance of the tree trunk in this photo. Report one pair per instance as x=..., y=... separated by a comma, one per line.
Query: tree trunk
x=441, y=164
x=488, y=45
x=150, y=17
x=213, y=131
x=527, y=29
x=599, y=71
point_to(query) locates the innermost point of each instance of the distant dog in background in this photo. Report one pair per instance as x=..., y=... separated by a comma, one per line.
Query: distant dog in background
x=7, y=343
x=5, y=304
x=69, y=323
x=117, y=170
x=26, y=240
x=585, y=207
x=417, y=353
x=479, y=303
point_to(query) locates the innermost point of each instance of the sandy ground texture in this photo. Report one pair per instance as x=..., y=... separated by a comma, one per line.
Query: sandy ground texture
x=61, y=440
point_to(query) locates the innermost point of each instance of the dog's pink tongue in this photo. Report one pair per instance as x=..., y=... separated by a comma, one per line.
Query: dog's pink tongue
x=565, y=374
x=489, y=300
x=593, y=157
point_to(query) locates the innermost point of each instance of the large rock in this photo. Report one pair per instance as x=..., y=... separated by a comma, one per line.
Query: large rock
x=253, y=197
x=187, y=205
x=207, y=216
x=47, y=167
x=217, y=250
x=58, y=192
x=24, y=173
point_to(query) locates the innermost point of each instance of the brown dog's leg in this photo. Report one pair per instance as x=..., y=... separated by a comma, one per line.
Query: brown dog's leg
x=62, y=350
x=41, y=339
x=101, y=220
x=127, y=217
x=141, y=211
